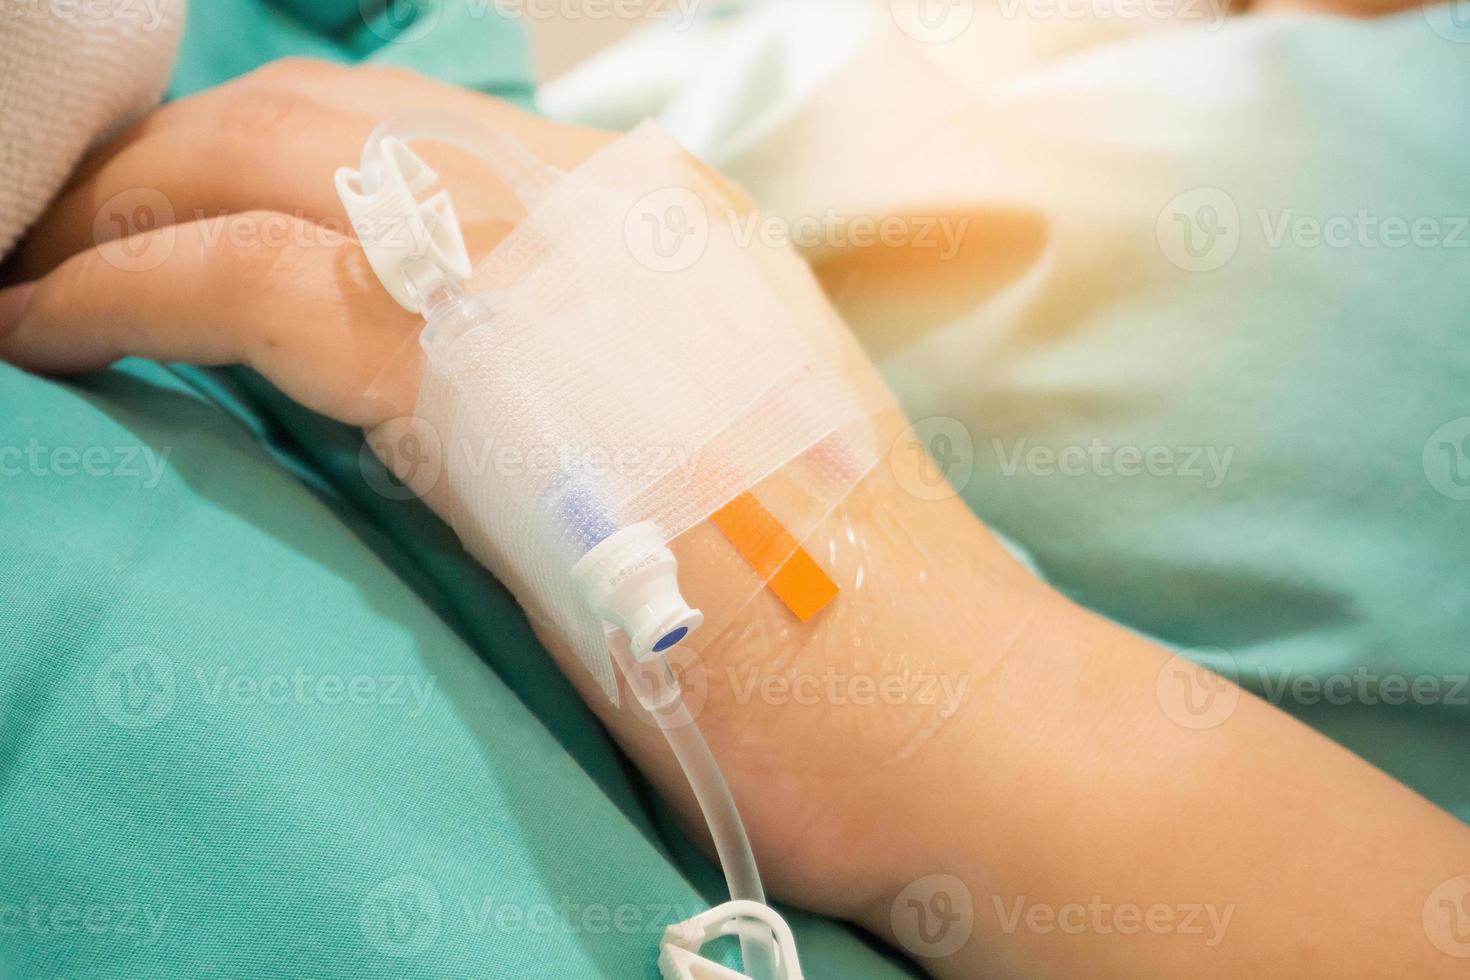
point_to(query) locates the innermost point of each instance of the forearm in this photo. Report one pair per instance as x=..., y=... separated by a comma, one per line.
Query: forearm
x=1105, y=808
x=1098, y=829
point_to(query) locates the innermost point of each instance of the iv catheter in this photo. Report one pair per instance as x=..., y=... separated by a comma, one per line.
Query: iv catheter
x=625, y=573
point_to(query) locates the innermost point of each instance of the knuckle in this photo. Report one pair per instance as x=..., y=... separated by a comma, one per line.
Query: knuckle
x=260, y=112
x=294, y=71
x=77, y=276
x=391, y=73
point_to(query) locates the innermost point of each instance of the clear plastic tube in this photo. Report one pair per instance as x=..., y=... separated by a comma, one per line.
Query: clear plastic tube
x=654, y=685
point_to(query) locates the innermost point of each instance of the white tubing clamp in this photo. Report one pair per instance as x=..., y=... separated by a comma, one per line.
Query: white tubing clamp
x=680, y=958
x=412, y=245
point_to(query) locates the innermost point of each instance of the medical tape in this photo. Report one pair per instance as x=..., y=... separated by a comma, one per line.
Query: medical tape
x=787, y=569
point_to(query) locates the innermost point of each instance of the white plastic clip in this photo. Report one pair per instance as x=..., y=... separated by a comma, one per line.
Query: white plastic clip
x=680, y=964
x=412, y=245
x=680, y=958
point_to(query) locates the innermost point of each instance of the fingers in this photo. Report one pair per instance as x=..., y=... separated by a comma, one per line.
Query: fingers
x=378, y=92
x=273, y=140
x=234, y=149
x=260, y=288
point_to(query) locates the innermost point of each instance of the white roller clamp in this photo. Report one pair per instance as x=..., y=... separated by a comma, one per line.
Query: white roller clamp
x=413, y=246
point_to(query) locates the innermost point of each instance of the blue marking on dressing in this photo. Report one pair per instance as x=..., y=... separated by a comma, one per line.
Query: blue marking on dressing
x=670, y=639
x=583, y=513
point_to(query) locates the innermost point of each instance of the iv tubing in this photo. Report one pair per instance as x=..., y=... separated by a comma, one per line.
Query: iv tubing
x=653, y=683
x=655, y=686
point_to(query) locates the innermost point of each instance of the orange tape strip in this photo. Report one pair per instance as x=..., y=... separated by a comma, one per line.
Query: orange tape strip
x=791, y=573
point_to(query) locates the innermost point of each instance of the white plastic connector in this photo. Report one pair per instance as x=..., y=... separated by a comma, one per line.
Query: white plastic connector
x=413, y=246
x=631, y=579
x=680, y=958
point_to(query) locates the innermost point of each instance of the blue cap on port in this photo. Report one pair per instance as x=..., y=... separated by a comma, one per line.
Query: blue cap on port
x=670, y=639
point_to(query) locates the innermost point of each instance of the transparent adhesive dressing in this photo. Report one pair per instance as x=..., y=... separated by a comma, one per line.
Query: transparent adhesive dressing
x=648, y=371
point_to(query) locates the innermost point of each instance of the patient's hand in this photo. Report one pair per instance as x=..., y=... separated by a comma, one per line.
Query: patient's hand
x=1056, y=777
x=235, y=251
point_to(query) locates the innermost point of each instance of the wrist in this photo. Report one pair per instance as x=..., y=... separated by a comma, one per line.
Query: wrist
x=838, y=735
